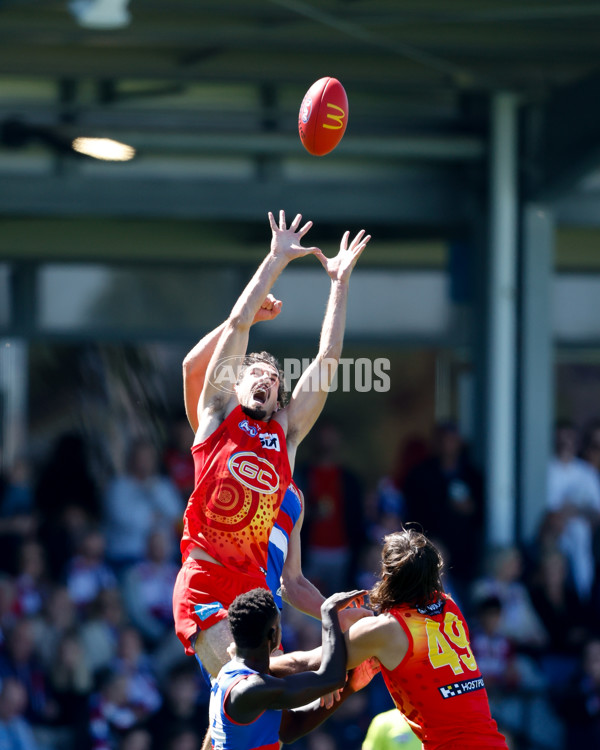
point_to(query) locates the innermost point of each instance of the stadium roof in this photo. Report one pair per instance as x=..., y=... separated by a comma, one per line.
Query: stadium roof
x=208, y=93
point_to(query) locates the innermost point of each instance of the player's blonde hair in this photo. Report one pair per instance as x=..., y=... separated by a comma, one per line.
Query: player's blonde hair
x=411, y=571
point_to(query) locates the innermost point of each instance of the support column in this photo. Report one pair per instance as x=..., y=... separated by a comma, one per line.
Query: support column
x=536, y=376
x=13, y=399
x=501, y=361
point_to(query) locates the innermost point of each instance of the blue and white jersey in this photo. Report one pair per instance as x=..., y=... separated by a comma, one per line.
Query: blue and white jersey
x=225, y=733
x=289, y=513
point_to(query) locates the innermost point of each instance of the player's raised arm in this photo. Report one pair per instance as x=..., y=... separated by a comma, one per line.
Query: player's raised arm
x=300, y=593
x=214, y=403
x=195, y=363
x=369, y=642
x=311, y=390
x=249, y=700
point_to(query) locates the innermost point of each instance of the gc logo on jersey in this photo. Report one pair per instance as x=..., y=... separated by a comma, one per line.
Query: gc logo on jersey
x=254, y=472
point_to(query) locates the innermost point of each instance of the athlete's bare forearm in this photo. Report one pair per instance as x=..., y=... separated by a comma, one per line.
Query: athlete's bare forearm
x=294, y=662
x=195, y=366
x=301, y=594
x=310, y=393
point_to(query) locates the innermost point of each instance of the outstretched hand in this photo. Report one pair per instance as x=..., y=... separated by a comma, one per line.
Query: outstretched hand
x=269, y=309
x=285, y=242
x=350, y=615
x=340, y=267
x=344, y=599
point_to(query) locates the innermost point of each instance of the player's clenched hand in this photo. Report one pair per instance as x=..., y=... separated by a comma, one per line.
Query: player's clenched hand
x=269, y=309
x=285, y=243
x=329, y=699
x=343, y=599
x=361, y=676
x=340, y=267
x=352, y=614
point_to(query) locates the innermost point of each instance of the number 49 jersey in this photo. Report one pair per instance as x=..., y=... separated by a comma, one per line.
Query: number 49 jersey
x=438, y=686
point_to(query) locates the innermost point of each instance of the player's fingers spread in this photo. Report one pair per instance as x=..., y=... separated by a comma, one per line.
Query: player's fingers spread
x=282, y=219
x=356, y=241
x=360, y=247
x=305, y=228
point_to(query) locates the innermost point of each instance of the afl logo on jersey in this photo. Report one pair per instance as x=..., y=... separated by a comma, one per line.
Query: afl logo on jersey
x=254, y=472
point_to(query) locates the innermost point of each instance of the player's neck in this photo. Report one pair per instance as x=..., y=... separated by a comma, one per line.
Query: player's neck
x=254, y=658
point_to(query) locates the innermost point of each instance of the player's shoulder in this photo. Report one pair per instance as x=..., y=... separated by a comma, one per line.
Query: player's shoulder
x=381, y=626
x=213, y=419
x=381, y=636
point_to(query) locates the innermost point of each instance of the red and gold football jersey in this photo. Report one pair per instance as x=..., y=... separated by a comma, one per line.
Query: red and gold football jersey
x=438, y=686
x=241, y=473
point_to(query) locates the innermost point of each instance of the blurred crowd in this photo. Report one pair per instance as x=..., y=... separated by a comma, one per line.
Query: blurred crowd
x=88, y=657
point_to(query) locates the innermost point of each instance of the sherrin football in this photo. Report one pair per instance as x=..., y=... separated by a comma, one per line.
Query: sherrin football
x=323, y=116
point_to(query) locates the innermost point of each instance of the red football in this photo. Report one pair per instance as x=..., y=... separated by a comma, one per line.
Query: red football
x=323, y=116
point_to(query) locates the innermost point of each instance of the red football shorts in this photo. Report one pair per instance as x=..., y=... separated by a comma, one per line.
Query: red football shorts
x=203, y=592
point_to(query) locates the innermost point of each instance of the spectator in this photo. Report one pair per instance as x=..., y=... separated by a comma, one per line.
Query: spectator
x=516, y=688
x=70, y=681
x=15, y=732
x=519, y=621
x=148, y=590
x=444, y=493
x=31, y=584
x=88, y=573
x=137, y=738
x=184, y=740
x=333, y=532
x=590, y=449
x=580, y=703
x=133, y=663
x=7, y=606
x=178, y=459
x=184, y=711
x=17, y=519
x=493, y=651
x=564, y=617
x=59, y=616
x=67, y=499
x=110, y=717
x=574, y=491
x=17, y=496
x=137, y=503
x=18, y=659
x=100, y=634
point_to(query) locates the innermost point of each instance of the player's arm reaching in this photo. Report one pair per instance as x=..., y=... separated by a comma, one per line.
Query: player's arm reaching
x=299, y=592
x=370, y=642
x=250, y=697
x=214, y=404
x=381, y=637
x=310, y=393
x=195, y=363
x=295, y=588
